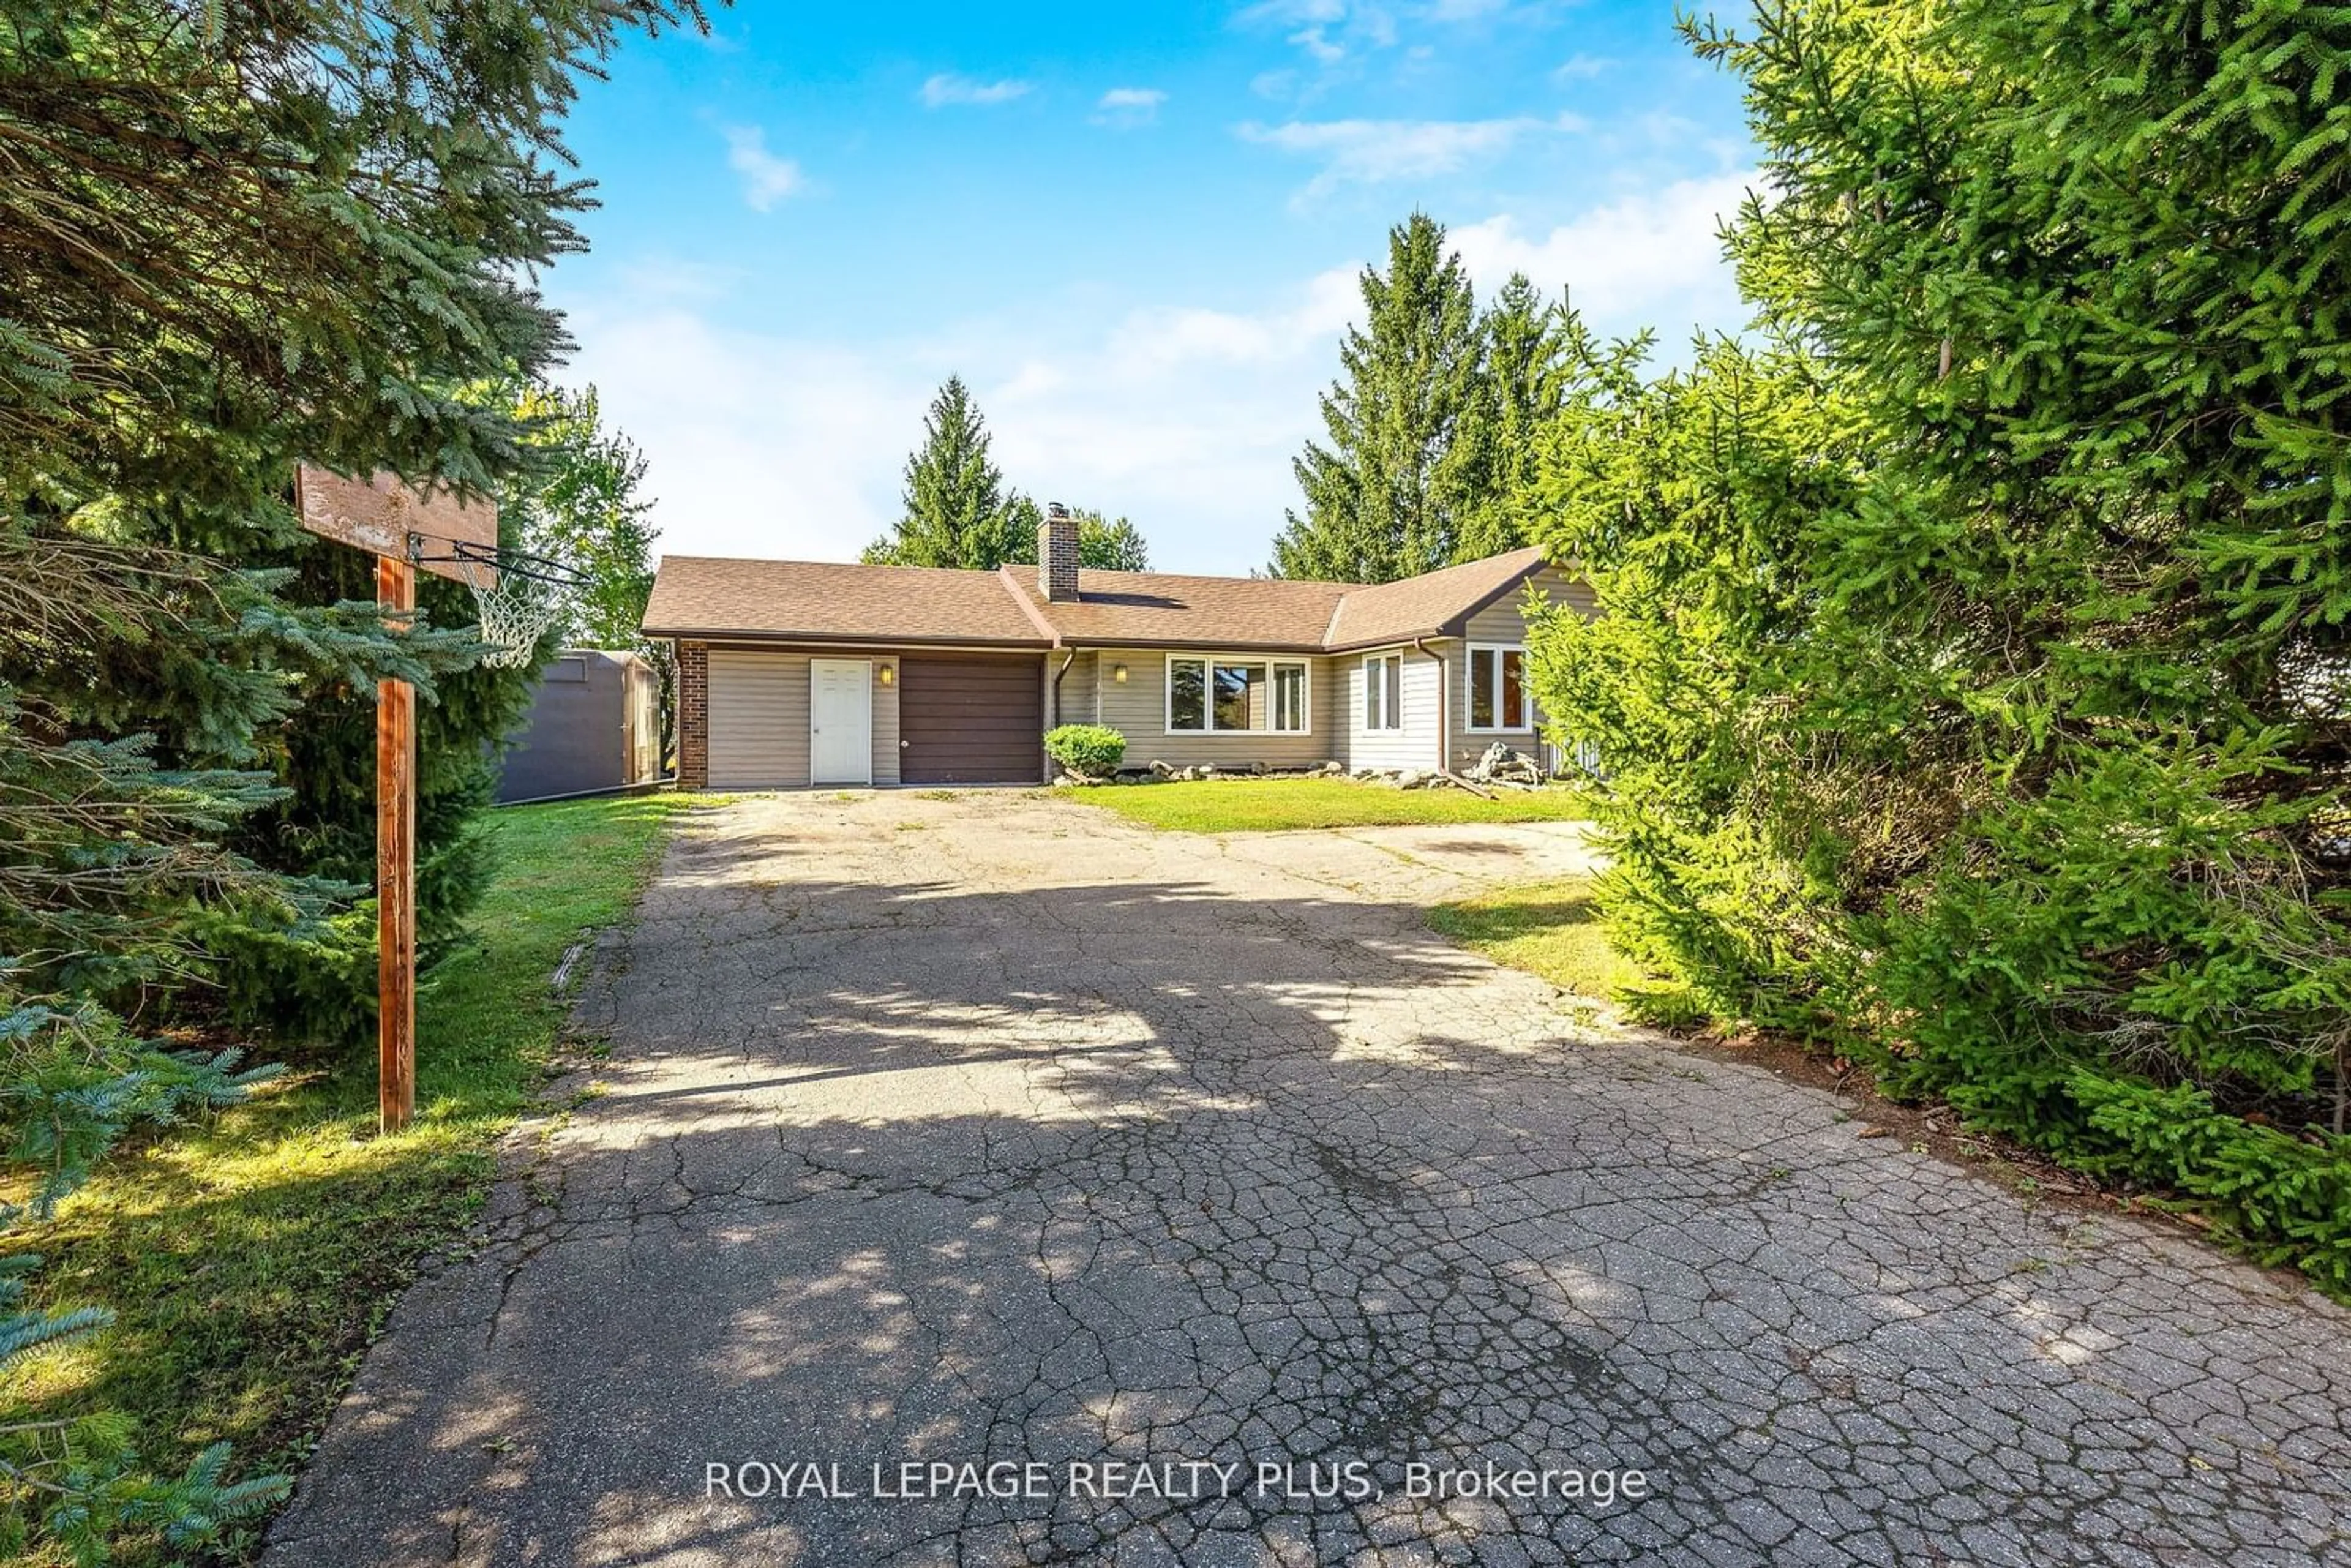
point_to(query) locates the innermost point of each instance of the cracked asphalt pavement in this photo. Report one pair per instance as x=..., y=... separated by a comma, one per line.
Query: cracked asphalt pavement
x=993, y=1129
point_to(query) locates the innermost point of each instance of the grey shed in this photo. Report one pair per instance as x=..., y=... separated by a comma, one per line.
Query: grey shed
x=595, y=724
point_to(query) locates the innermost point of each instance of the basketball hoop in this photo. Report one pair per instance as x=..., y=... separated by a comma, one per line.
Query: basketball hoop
x=517, y=594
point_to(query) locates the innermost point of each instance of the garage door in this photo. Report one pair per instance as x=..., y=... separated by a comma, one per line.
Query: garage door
x=971, y=718
x=759, y=720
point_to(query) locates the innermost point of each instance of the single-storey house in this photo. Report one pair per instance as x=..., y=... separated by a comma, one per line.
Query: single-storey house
x=799, y=673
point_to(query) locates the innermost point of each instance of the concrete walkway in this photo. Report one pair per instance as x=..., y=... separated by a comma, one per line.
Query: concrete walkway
x=989, y=1131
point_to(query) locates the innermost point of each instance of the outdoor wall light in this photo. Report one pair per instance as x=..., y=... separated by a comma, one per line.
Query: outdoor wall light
x=1118, y=674
x=889, y=674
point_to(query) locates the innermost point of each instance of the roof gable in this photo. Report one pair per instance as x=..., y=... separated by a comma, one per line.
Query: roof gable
x=1426, y=605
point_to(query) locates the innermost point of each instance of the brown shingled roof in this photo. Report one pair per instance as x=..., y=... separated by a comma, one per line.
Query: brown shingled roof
x=1431, y=602
x=830, y=602
x=1160, y=607
x=708, y=596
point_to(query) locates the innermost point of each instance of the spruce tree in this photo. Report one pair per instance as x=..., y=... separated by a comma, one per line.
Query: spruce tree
x=1103, y=545
x=1109, y=545
x=214, y=267
x=1974, y=692
x=1387, y=497
x=232, y=236
x=956, y=510
x=1531, y=349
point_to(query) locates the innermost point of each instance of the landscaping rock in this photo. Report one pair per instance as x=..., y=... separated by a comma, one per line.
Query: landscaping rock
x=1501, y=765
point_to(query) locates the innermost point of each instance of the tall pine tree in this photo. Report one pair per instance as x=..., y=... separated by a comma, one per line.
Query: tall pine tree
x=1103, y=545
x=1533, y=350
x=1109, y=545
x=956, y=510
x=1386, y=498
x=232, y=236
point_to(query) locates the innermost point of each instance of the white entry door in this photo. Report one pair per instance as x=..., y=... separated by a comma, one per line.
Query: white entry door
x=841, y=721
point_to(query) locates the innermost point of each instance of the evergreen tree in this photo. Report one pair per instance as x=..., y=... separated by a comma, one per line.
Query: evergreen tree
x=1977, y=679
x=1532, y=348
x=212, y=269
x=1107, y=546
x=1103, y=545
x=232, y=236
x=956, y=511
x=1388, y=497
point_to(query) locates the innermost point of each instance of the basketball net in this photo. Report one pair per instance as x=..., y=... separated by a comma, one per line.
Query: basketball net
x=515, y=610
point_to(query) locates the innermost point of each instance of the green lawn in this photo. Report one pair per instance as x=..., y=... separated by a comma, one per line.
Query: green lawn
x=1547, y=928
x=252, y=1257
x=1259, y=805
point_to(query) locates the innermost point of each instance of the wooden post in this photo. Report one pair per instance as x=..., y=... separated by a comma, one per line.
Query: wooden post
x=395, y=868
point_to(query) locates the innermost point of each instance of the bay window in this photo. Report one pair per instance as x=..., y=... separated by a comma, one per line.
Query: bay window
x=1235, y=695
x=1498, y=689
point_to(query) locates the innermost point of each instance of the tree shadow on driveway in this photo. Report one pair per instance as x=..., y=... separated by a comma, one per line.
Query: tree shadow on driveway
x=895, y=1161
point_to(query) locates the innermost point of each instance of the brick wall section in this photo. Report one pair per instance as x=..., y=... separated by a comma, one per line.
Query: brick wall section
x=1057, y=560
x=693, y=715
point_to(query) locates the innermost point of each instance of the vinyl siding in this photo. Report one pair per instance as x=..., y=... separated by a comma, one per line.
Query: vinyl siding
x=1503, y=623
x=1138, y=710
x=1081, y=703
x=1414, y=746
x=885, y=722
x=759, y=719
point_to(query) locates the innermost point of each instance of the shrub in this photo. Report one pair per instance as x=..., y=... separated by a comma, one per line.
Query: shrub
x=1088, y=750
x=2286, y=1199
x=1968, y=683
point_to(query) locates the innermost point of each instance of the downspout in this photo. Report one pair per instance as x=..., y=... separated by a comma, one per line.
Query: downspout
x=1067, y=660
x=1444, y=702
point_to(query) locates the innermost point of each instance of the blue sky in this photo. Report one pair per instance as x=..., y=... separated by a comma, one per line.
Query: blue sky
x=1134, y=230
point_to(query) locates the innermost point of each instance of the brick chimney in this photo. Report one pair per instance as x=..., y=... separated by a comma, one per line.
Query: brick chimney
x=1057, y=555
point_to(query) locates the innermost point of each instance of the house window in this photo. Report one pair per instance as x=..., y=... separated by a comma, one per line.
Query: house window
x=1289, y=696
x=1384, y=692
x=1187, y=695
x=1498, y=689
x=1236, y=696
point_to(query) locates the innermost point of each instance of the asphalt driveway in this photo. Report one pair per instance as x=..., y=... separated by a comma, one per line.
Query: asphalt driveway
x=992, y=1132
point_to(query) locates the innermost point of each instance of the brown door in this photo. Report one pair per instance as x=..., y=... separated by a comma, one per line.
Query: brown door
x=971, y=718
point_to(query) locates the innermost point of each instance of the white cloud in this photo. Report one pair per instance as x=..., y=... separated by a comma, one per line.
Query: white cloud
x=1287, y=13
x=1184, y=415
x=1581, y=68
x=1180, y=336
x=1318, y=45
x=1374, y=152
x=1650, y=258
x=1184, y=418
x=1128, y=106
x=766, y=179
x=1326, y=31
x=946, y=88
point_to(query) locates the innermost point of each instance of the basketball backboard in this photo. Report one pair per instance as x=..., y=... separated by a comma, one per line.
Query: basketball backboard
x=378, y=514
